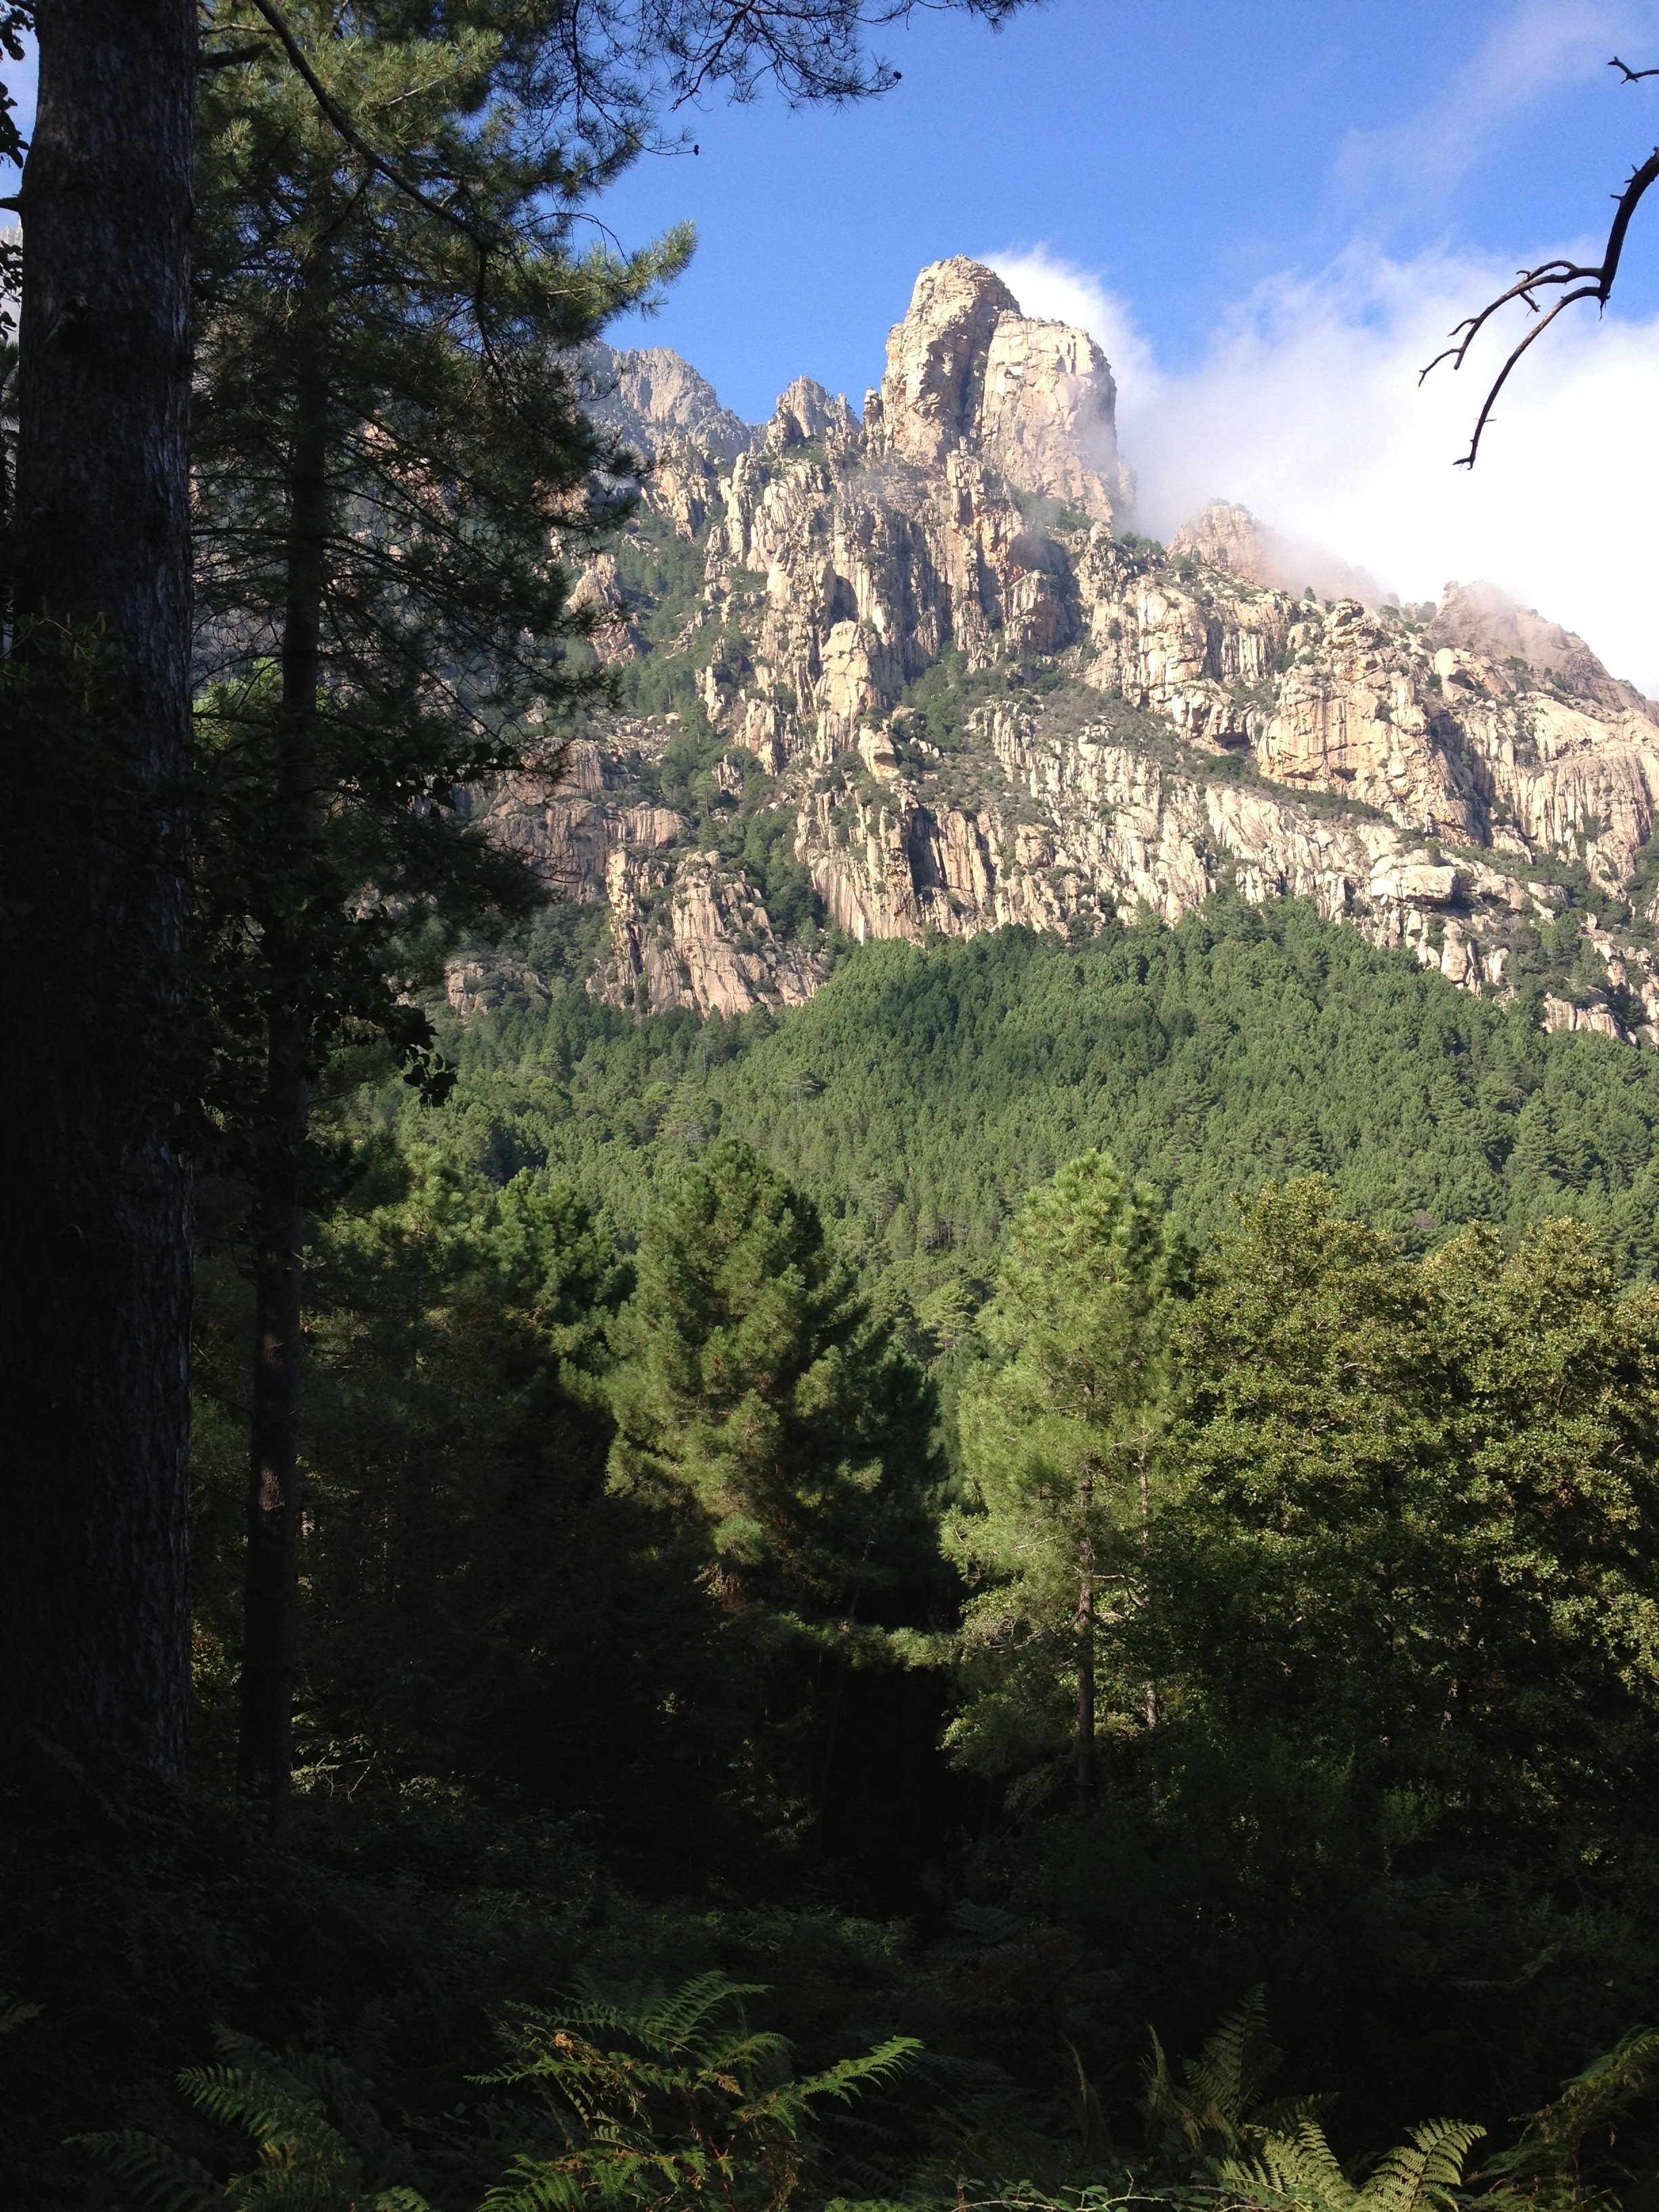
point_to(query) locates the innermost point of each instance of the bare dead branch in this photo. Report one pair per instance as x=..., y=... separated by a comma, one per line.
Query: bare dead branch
x=1571, y=280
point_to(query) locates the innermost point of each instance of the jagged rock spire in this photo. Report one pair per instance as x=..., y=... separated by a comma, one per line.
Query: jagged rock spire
x=1036, y=400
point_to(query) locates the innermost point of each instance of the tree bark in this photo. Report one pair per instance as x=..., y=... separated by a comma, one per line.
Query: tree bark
x=1151, y=1705
x=1086, y=1654
x=95, y=1272
x=265, y=1753
x=270, y=1608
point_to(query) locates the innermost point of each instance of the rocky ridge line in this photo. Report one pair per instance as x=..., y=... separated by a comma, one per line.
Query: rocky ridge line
x=927, y=648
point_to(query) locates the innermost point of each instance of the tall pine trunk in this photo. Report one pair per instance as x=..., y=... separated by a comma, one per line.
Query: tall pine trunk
x=95, y=1271
x=1085, y=1650
x=265, y=1757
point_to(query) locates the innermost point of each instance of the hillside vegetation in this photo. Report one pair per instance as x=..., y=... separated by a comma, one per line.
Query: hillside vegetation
x=925, y=1090
x=726, y=1494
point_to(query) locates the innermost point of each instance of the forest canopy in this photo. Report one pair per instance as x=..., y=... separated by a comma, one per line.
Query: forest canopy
x=925, y=1090
x=767, y=1611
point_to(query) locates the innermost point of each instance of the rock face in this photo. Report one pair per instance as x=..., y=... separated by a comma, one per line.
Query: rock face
x=930, y=398
x=967, y=372
x=905, y=675
x=1480, y=619
x=651, y=395
x=1231, y=536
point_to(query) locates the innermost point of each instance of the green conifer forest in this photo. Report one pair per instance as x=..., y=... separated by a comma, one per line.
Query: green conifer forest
x=1058, y=1504
x=1032, y=1584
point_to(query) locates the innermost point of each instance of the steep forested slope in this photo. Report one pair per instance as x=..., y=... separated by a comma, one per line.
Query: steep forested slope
x=923, y=1091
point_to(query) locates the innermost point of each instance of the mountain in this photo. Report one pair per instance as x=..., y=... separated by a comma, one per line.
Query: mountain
x=915, y=675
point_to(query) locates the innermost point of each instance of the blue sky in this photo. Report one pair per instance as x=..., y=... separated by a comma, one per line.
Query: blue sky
x=1269, y=215
x=1183, y=153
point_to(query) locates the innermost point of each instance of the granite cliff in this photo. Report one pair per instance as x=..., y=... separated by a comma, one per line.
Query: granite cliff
x=913, y=671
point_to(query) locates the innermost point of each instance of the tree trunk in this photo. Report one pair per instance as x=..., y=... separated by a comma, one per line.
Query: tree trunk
x=270, y=1608
x=1153, y=1707
x=1086, y=1654
x=95, y=1272
x=265, y=1753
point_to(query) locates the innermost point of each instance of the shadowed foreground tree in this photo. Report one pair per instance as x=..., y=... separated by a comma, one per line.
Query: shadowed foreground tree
x=96, y=1232
x=94, y=1268
x=389, y=456
x=754, y=1389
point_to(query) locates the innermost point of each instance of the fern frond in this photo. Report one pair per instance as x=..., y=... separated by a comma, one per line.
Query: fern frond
x=1424, y=2174
x=664, y=2020
x=1283, y=2116
x=1551, y=2140
x=1214, y=2111
x=1300, y=2172
x=680, y=2013
x=668, y=2099
x=534, y=2186
x=249, y=2055
x=262, y=2105
x=161, y=2178
x=1227, y=2077
x=1158, y=2101
x=1295, y=2172
x=844, y=2080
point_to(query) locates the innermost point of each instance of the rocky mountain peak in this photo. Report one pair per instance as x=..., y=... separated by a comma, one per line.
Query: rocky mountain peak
x=909, y=678
x=651, y=395
x=1233, y=538
x=1048, y=417
x=807, y=414
x=968, y=371
x=929, y=399
x=1482, y=618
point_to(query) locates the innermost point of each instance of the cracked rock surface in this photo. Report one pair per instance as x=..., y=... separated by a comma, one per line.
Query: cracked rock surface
x=913, y=673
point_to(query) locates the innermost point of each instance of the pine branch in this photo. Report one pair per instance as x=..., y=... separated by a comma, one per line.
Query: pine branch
x=353, y=138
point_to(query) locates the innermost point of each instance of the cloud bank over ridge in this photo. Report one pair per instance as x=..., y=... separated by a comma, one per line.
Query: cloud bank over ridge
x=1306, y=409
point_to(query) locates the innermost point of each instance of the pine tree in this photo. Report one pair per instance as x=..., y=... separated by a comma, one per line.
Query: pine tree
x=1307, y=1554
x=1060, y=1439
x=388, y=446
x=94, y=1244
x=96, y=1233
x=754, y=1389
x=1411, y=1542
x=476, y=1605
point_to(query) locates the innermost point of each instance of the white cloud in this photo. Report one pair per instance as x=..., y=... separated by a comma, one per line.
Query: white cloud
x=1535, y=48
x=1059, y=291
x=1307, y=409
